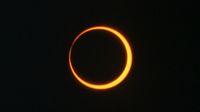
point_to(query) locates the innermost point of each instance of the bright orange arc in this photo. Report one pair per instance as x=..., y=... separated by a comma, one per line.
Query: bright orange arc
x=126, y=69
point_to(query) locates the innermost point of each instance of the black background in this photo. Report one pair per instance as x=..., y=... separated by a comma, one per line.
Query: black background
x=36, y=40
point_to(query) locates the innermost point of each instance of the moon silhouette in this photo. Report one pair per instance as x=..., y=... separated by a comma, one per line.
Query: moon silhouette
x=124, y=73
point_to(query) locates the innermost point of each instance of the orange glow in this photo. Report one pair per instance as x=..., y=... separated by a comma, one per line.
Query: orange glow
x=121, y=76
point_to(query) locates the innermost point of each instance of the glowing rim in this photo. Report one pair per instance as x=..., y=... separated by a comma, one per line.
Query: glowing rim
x=127, y=67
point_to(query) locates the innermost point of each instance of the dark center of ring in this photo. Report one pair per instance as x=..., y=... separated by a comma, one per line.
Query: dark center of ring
x=98, y=56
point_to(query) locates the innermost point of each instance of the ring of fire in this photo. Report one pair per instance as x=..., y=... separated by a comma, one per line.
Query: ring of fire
x=126, y=69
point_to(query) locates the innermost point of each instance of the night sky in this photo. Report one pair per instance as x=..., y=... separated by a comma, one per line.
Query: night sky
x=37, y=35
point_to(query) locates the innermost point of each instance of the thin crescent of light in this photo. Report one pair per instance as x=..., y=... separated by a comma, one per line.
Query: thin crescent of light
x=125, y=71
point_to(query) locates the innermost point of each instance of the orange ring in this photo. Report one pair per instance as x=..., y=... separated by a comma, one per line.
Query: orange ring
x=126, y=69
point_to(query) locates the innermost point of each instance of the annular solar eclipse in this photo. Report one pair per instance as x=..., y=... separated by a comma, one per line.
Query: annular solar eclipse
x=126, y=69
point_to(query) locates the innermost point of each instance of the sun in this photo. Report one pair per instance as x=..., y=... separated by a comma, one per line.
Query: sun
x=128, y=63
